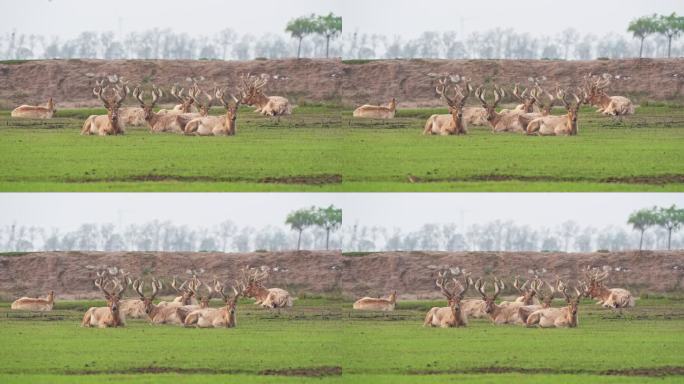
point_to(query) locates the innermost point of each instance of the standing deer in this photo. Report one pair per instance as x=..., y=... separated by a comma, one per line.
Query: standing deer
x=615, y=106
x=160, y=122
x=376, y=304
x=565, y=125
x=224, y=125
x=453, y=315
x=217, y=317
x=265, y=297
x=377, y=111
x=35, y=304
x=501, y=122
x=111, y=123
x=616, y=298
x=498, y=314
x=109, y=316
x=565, y=317
x=35, y=112
x=452, y=123
x=266, y=105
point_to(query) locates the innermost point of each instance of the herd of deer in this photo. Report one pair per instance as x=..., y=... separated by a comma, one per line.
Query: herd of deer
x=190, y=308
x=532, y=116
x=190, y=116
x=531, y=308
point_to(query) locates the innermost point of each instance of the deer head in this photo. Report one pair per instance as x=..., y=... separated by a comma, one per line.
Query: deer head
x=254, y=281
x=112, y=96
x=525, y=290
x=526, y=99
x=253, y=88
x=595, y=280
x=490, y=108
x=148, y=109
x=185, y=100
x=544, y=105
x=571, y=108
x=231, y=109
x=195, y=94
x=113, y=295
x=453, y=290
x=138, y=286
x=456, y=102
x=186, y=290
x=489, y=300
x=545, y=297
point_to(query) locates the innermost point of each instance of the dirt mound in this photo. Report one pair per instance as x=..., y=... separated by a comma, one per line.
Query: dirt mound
x=318, y=80
x=410, y=273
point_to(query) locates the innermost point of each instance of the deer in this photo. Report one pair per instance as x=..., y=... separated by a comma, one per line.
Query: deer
x=265, y=297
x=615, y=298
x=134, y=308
x=157, y=314
x=110, y=124
x=35, y=304
x=35, y=112
x=501, y=122
x=223, y=317
x=498, y=314
x=224, y=125
x=377, y=111
x=565, y=125
x=109, y=316
x=452, y=123
x=527, y=100
x=546, y=298
x=376, y=304
x=615, y=106
x=160, y=122
x=453, y=315
x=186, y=102
x=565, y=317
x=266, y=105
x=527, y=293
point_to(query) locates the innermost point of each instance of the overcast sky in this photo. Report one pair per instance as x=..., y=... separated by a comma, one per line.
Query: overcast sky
x=409, y=18
x=407, y=211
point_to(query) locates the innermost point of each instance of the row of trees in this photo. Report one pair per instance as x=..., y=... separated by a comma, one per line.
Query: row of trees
x=669, y=219
x=326, y=219
x=328, y=27
x=669, y=26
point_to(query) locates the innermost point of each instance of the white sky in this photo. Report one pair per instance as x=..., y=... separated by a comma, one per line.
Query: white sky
x=407, y=211
x=409, y=18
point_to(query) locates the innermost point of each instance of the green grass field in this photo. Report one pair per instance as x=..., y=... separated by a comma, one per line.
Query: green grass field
x=317, y=150
x=324, y=341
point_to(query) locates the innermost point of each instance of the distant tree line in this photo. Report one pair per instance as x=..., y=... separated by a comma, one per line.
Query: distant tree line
x=668, y=219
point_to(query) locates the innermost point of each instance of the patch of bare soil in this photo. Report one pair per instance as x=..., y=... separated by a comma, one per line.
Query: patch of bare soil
x=306, y=371
x=653, y=180
x=309, y=180
x=152, y=177
x=652, y=372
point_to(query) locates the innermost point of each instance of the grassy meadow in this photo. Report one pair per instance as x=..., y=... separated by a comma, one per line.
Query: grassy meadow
x=322, y=148
x=323, y=340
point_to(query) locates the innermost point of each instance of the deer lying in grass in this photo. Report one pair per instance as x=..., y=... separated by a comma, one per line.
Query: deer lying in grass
x=501, y=122
x=186, y=293
x=35, y=304
x=217, y=317
x=565, y=125
x=498, y=314
x=157, y=314
x=616, y=298
x=453, y=315
x=110, y=124
x=474, y=308
x=546, y=299
x=160, y=122
x=109, y=316
x=527, y=292
x=615, y=106
x=527, y=101
x=565, y=317
x=35, y=112
x=377, y=111
x=185, y=106
x=224, y=125
x=266, y=105
x=266, y=297
x=452, y=123
x=376, y=304
x=134, y=308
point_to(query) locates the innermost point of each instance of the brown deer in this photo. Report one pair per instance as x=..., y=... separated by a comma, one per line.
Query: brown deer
x=160, y=122
x=565, y=317
x=452, y=123
x=110, y=124
x=224, y=125
x=615, y=106
x=453, y=315
x=616, y=298
x=35, y=304
x=377, y=111
x=223, y=317
x=498, y=314
x=565, y=125
x=376, y=304
x=35, y=112
x=266, y=297
x=109, y=316
x=266, y=105
x=501, y=122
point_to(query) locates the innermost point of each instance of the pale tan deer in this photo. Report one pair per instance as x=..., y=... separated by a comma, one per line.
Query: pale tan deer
x=615, y=106
x=134, y=308
x=498, y=314
x=376, y=304
x=266, y=105
x=35, y=112
x=501, y=122
x=109, y=316
x=565, y=317
x=453, y=315
x=157, y=314
x=565, y=125
x=377, y=111
x=452, y=123
x=224, y=125
x=266, y=297
x=35, y=304
x=157, y=122
x=527, y=292
x=546, y=298
x=224, y=317
x=109, y=124
x=615, y=298
x=474, y=308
